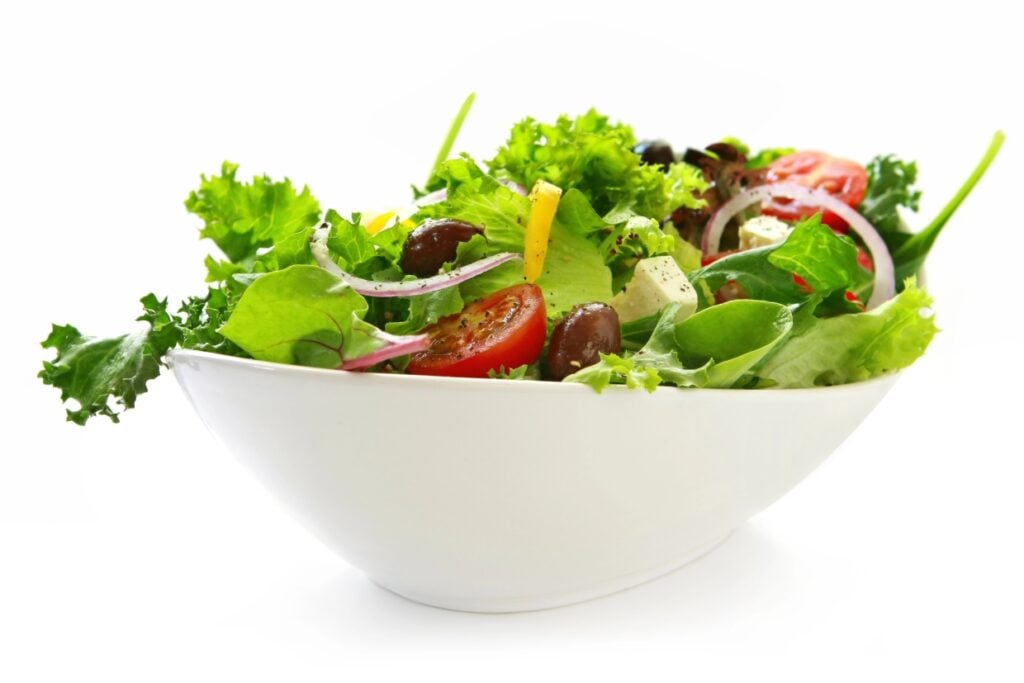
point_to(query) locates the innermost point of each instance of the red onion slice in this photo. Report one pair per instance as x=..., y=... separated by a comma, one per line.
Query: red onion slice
x=373, y=288
x=885, y=277
x=396, y=346
x=514, y=186
x=434, y=197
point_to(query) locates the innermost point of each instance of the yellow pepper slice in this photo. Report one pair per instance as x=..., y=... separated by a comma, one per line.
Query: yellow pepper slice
x=544, y=200
x=379, y=222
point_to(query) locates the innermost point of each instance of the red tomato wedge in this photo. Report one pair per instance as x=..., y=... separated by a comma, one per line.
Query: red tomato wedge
x=506, y=328
x=843, y=179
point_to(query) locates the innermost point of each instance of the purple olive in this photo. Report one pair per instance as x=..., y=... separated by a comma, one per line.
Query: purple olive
x=655, y=153
x=433, y=244
x=577, y=340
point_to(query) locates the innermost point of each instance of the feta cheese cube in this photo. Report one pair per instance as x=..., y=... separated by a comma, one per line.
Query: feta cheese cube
x=657, y=282
x=763, y=231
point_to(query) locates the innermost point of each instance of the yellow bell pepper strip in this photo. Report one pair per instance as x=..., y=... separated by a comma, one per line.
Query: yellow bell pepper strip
x=379, y=222
x=544, y=200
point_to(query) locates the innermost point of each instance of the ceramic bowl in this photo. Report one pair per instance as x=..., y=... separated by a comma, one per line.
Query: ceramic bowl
x=500, y=496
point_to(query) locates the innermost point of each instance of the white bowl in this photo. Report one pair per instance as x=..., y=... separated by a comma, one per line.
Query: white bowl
x=501, y=496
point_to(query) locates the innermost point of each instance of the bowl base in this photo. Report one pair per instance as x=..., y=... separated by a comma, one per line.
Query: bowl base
x=534, y=602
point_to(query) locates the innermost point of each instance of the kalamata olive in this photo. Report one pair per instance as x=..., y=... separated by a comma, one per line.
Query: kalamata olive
x=576, y=341
x=726, y=152
x=697, y=157
x=655, y=153
x=433, y=244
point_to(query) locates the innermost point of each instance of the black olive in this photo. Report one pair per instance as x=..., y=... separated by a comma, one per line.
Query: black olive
x=586, y=331
x=655, y=153
x=433, y=244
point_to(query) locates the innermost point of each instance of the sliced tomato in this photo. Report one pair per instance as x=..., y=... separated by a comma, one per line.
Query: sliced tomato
x=864, y=260
x=844, y=179
x=506, y=328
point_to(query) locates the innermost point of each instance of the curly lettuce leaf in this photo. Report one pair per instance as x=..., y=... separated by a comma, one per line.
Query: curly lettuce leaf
x=201, y=319
x=759, y=159
x=596, y=157
x=520, y=372
x=684, y=186
x=358, y=252
x=851, y=348
x=765, y=157
x=890, y=186
x=244, y=219
x=106, y=376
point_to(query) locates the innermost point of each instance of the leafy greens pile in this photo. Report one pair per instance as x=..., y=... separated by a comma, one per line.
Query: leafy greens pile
x=268, y=299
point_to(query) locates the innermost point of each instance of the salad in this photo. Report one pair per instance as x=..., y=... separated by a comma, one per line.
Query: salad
x=578, y=253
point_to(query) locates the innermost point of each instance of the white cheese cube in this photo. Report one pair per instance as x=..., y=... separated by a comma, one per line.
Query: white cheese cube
x=763, y=231
x=657, y=282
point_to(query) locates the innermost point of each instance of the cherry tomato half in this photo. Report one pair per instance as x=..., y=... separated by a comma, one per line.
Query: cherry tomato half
x=506, y=328
x=843, y=179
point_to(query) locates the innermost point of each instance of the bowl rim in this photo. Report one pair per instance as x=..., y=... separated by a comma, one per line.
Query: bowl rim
x=504, y=386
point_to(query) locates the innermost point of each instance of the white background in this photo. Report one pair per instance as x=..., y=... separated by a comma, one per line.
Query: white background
x=141, y=551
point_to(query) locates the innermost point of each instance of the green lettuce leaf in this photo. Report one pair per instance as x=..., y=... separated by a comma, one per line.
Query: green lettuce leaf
x=302, y=315
x=574, y=272
x=754, y=272
x=106, y=376
x=826, y=261
x=732, y=338
x=686, y=255
x=851, y=348
x=575, y=211
x=427, y=309
x=910, y=255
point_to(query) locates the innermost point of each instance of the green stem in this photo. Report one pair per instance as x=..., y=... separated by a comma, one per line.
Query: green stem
x=917, y=246
x=453, y=132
